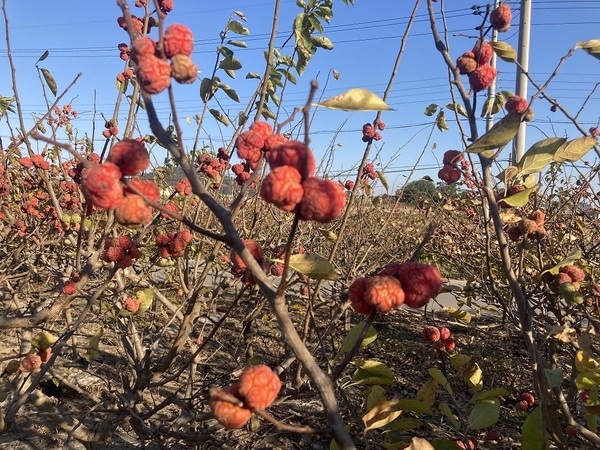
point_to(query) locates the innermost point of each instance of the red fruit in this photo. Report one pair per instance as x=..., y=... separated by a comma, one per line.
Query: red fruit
x=131, y=304
x=323, y=200
x=183, y=70
x=383, y=293
x=69, y=288
x=253, y=248
x=449, y=344
x=571, y=431
x=258, y=386
x=272, y=141
x=349, y=185
x=584, y=396
x=133, y=212
x=39, y=162
x=356, y=295
x=228, y=414
x=466, y=63
x=178, y=40
x=420, y=281
x=166, y=6
x=264, y=129
x=574, y=272
x=293, y=153
x=562, y=278
x=101, y=186
x=449, y=174
x=500, y=18
x=538, y=217
x=153, y=74
x=124, y=241
x=492, y=435
x=283, y=188
x=249, y=145
x=30, y=363
x=516, y=103
x=146, y=187
x=431, y=333
x=142, y=48
x=522, y=406
x=130, y=156
x=45, y=354
x=444, y=333
x=529, y=398
x=183, y=187
x=483, y=53
x=482, y=77
x=452, y=157
x=106, y=133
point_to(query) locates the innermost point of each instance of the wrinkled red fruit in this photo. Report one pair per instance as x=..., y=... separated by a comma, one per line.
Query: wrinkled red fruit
x=258, y=386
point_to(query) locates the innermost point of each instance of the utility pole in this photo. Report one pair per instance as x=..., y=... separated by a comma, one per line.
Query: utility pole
x=523, y=59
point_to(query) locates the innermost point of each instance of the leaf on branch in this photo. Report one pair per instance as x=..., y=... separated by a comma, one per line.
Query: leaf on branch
x=382, y=414
x=520, y=199
x=314, y=266
x=458, y=108
x=574, y=255
x=328, y=234
x=43, y=57
x=533, y=435
x=240, y=44
x=591, y=47
x=322, y=42
x=504, y=51
x=383, y=179
x=50, y=81
x=484, y=414
x=373, y=372
x=431, y=110
x=238, y=28
x=208, y=88
x=539, y=155
x=230, y=64
x=220, y=116
x=499, y=135
x=354, y=334
x=94, y=344
x=446, y=411
x=356, y=99
x=440, y=121
x=575, y=149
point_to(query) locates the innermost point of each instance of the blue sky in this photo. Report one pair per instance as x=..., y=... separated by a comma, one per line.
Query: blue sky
x=83, y=37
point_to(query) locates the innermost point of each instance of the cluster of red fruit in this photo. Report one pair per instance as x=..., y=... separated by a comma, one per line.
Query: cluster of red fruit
x=516, y=103
x=173, y=244
x=69, y=199
x=37, y=161
x=476, y=65
x=450, y=173
x=70, y=286
x=411, y=283
x=566, y=282
x=63, y=117
x=532, y=226
x=527, y=400
x=239, y=268
x=291, y=182
x=153, y=71
x=370, y=131
x=213, y=167
x=440, y=337
x=166, y=6
x=120, y=250
x=257, y=388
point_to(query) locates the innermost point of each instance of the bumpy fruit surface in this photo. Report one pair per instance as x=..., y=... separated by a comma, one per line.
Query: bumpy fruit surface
x=482, y=77
x=283, y=188
x=444, y=333
x=529, y=398
x=449, y=174
x=420, y=281
x=258, y=386
x=500, y=18
x=452, y=157
x=101, y=186
x=483, y=53
x=130, y=156
x=153, y=74
x=522, y=406
x=431, y=333
x=30, y=363
x=323, y=200
x=293, y=153
x=183, y=70
x=131, y=304
x=356, y=295
x=383, y=293
x=466, y=63
x=263, y=128
x=574, y=272
x=229, y=415
x=516, y=103
x=141, y=48
x=249, y=145
x=133, y=212
x=273, y=141
x=254, y=248
x=178, y=40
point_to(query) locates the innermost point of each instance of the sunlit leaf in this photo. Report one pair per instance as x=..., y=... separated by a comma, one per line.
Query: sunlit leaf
x=491, y=394
x=460, y=109
x=519, y=199
x=373, y=372
x=484, y=414
x=356, y=99
x=322, y=42
x=354, y=334
x=94, y=344
x=574, y=255
x=539, y=155
x=50, y=81
x=381, y=415
x=220, y=116
x=440, y=378
x=240, y=44
x=475, y=378
x=375, y=397
x=499, y=135
x=533, y=436
x=250, y=75
x=504, y=51
x=440, y=121
x=238, y=28
x=383, y=179
x=418, y=443
x=208, y=88
x=230, y=64
x=314, y=266
x=446, y=411
x=575, y=149
x=145, y=297
x=508, y=174
x=459, y=314
x=328, y=234
x=230, y=92
x=431, y=110
x=43, y=340
x=592, y=47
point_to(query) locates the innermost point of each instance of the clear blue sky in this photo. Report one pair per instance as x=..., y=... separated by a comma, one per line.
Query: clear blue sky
x=83, y=37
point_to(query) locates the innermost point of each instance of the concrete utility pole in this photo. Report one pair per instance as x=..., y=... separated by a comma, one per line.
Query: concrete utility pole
x=523, y=59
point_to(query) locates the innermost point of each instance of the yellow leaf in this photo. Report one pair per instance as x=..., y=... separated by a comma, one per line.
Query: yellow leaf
x=504, y=51
x=94, y=344
x=356, y=99
x=499, y=135
x=591, y=47
x=575, y=149
x=314, y=266
x=427, y=393
x=418, y=443
x=382, y=414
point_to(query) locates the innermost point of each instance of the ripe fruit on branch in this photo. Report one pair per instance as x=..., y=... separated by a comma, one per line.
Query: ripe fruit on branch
x=516, y=103
x=249, y=145
x=30, y=363
x=153, y=74
x=228, y=414
x=383, y=293
x=356, y=295
x=323, y=200
x=420, y=281
x=101, y=186
x=183, y=70
x=500, y=18
x=283, y=188
x=254, y=248
x=178, y=40
x=141, y=48
x=263, y=128
x=431, y=333
x=482, y=77
x=449, y=174
x=258, y=386
x=444, y=333
x=522, y=406
x=133, y=212
x=483, y=53
x=131, y=305
x=452, y=157
x=466, y=63
x=130, y=156
x=295, y=154
x=574, y=272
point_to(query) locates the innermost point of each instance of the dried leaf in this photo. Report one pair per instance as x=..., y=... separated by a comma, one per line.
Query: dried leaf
x=458, y=108
x=50, y=81
x=238, y=28
x=575, y=149
x=592, y=47
x=431, y=110
x=381, y=415
x=314, y=266
x=356, y=99
x=499, y=135
x=504, y=51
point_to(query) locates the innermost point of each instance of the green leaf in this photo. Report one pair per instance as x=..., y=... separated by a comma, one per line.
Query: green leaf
x=446, y=411
x=240, y=44
x=383, y=179
x=459, y=314
x=322, y=42
x=354, y=334
x=375, y=397
x=484, y=414
x=539, y=155
x=431, y=110
x=440, y=378
x=504, y=51
x=440, y=121
x=373, y=372
x=230, y=92
x=220, y=116
x=208, y=88
x=314, y=266
x=575, y=149
x=94, y=344
x=289, y=75
x=490, y=394
x=50, y=81
x=533, y=434
x=499, y=135
x=356, y=99
x=591, y=47
x=555, y=377
x=409, y=404
x=43, y=340
x=238, y=28
x=405, y=424
x=225, y=51
x=145, y=297
x=230, y=64
x=43, y=57
x=574, y=255
x=328, y=234
x=250, y=75
x=520, y=199
x=458, y=108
